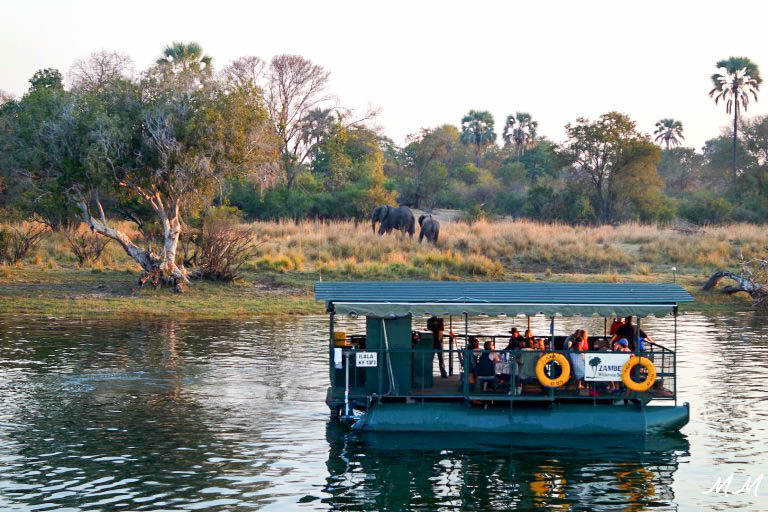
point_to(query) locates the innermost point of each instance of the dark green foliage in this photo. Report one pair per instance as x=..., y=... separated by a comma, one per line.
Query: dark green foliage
x=477, y=131
x=681, y=169
x=701, y=208
x=46, y=79
x=297, y=156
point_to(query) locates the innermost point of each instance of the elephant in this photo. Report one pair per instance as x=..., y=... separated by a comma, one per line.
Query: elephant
x=430, y=228
x=390, y=218
x=378, y=215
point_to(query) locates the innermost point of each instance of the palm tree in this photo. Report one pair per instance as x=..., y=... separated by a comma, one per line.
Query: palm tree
x=522, y=136
x=738, y=78
x=477, y=129
x=185, y=57
x=316, y=125
x=669, y=131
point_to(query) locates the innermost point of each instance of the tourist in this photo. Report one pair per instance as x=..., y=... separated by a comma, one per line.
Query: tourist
x=578, y=347
x=622, y=345
x=615, y=325
x=436, y=326
x=631, y=334
x=569, y=341
x=486, y=365
x=514, y=339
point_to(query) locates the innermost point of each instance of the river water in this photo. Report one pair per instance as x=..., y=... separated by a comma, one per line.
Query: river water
x=230, y=415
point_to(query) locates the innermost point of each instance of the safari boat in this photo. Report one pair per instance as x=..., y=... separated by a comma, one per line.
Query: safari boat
x=384, y=379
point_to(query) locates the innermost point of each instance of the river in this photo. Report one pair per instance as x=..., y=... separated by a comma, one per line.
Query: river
x=230, y=415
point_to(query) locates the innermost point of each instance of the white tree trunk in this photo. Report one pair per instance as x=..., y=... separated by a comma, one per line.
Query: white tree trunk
x=171, y=232
x=146, y=259
x=157, y=269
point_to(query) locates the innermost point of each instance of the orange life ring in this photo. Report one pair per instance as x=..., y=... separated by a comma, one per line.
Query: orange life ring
x=646, y=363
x=542, y=375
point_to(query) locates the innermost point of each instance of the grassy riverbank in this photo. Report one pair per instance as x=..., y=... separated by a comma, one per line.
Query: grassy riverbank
x=278, y=278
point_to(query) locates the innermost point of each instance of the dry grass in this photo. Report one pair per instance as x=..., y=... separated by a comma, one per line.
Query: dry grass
x=489, y=250
x=278, y=277
x=483, y=250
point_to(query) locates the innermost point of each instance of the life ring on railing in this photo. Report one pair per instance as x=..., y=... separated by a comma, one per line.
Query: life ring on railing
x=565, y=366
x=626, y=372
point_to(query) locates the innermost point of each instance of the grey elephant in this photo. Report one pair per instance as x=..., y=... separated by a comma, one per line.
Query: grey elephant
x=378, y=215
x=390, y=218
x=430, y=228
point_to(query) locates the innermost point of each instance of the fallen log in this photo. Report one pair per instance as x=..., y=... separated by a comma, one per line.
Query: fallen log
x=757, y=291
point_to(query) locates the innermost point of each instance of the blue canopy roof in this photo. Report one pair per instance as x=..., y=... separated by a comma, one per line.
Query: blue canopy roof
x=397, y=298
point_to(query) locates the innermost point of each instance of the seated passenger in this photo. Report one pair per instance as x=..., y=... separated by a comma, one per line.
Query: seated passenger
x=528, y=336
x=622, y=345
x=514, y=339
x=569, y=341
x=486, y=364
x=615, y=325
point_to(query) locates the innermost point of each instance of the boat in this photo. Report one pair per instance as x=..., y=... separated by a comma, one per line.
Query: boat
x=383, y=380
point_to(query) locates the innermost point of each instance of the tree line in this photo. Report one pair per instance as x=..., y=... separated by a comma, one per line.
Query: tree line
x=268, y=138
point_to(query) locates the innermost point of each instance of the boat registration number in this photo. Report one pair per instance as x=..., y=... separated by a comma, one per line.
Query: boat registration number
x=366, y=359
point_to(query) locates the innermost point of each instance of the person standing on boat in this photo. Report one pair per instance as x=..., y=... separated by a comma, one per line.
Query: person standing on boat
x=437, y=326
x=578, y=346
x=630, y=333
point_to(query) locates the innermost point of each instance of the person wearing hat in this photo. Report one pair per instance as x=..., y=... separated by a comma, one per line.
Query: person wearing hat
x=622, y=345
x=514, y=339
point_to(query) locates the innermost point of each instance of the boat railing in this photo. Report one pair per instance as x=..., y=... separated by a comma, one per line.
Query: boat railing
x=415, y=374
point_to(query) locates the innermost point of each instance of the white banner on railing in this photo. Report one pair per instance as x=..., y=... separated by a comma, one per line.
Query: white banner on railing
x=604, y=366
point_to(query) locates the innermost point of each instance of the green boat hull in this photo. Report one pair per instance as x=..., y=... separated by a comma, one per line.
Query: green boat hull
x=557, y=419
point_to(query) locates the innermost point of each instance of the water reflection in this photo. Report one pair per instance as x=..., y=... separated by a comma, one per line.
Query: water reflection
x=390, y=471
x=178, y=414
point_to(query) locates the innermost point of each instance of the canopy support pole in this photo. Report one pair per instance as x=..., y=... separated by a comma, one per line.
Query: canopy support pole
x=346, y=387
x=674, y=370
x=637, y=337
x=330, y=343
x=392, y=383
x=552, y=333
x=450, y=345
x=466, y=331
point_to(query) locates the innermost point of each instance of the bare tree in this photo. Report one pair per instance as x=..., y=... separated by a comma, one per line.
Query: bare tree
x=5, y=97
x=294, y=87
x=98, y=68
x=244, y=72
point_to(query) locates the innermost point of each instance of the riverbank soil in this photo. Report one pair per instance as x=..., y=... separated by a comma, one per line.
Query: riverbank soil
x=87, y=292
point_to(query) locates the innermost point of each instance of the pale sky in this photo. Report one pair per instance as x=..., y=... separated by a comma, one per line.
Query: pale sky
x=426, y=63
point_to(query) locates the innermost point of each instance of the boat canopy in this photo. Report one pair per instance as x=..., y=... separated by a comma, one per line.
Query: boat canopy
x=388, y=299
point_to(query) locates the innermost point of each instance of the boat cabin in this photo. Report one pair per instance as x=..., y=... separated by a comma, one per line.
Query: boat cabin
x=392, y=371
